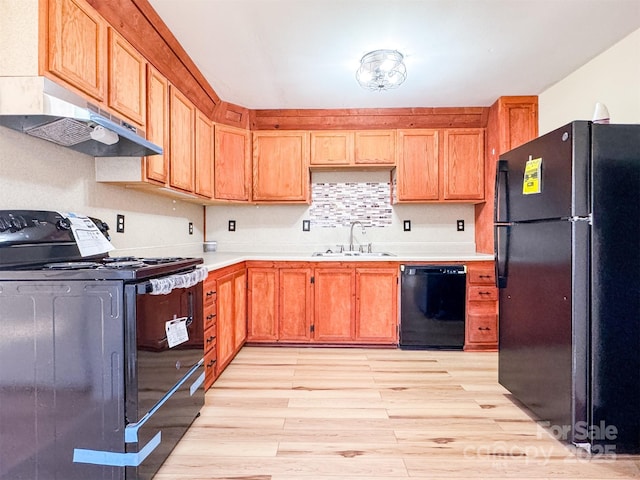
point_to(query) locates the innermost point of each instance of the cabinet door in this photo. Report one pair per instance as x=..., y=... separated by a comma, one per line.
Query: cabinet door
x=127, y=79
x=156, y=166
x=240, y=309
x=417, y=171
x=262, y=306
x=295, y=305
x=334, y=305
x=77, y=48
x=232, y=160
x=330, y=148
x=204, y=155
x=182, y=141
x=281, y=166
x=377, y=305
x=375, y=147
x=225, y=320
x=463, y=166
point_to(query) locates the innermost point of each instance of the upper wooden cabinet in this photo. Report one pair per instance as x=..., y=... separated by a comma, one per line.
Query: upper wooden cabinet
x=281, y=166
x=440, y=165
x=127, y=79
x=181, y=141
x=360, y=148
x=463, y=164
x=203, y=156
x=77, y=46
x=157, y=166
x=232, y=161
x=418, y=169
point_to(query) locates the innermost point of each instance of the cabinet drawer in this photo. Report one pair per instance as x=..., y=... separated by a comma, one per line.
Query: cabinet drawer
x=209, y=293
x=482, y=328
x=210, y=316
x=482, y=276
x=484, y=293
x=210, y=368
x=209, y=339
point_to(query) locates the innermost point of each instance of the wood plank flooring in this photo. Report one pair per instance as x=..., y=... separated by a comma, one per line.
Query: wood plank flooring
x=356, y=414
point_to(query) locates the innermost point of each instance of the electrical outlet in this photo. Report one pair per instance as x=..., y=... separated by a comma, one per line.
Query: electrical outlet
x=407, y=225
x=232, y=225
x=120, y=223
x=190, y=228
x=460, y=225
x=306, y=225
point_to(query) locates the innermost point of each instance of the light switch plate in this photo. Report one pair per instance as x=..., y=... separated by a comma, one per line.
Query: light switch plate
x=306, y=225
x=407, y=225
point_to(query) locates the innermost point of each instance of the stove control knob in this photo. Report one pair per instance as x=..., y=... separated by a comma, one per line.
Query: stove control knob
x=63, y=224
x=17, y=223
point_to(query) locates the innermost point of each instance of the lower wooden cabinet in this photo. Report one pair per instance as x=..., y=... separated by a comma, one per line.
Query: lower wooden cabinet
x=323, y=303
x=482, y=307
x=231, y=322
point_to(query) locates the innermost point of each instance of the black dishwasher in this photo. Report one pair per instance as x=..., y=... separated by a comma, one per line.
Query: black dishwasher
x=432, y=306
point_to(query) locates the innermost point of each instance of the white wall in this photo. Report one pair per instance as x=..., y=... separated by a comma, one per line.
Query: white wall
x=612, y=78
x=275, y=228
x=35, y=174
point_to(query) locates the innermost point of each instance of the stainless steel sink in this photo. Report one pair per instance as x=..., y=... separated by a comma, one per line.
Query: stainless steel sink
x=352, y=254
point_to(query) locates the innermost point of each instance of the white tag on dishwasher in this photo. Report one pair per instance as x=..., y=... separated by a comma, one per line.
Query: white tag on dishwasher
x=176, y=331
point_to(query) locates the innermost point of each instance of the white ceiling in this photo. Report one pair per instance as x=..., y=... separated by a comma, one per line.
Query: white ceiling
x=272, y=54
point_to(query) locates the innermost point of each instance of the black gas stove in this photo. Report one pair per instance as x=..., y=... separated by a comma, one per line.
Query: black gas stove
x=40, y=245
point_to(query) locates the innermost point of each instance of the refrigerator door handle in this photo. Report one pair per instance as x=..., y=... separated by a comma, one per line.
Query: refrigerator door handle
x=501, y=204
x=501, y=246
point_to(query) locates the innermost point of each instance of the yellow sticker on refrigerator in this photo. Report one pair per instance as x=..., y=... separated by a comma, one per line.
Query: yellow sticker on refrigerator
x=532, y=182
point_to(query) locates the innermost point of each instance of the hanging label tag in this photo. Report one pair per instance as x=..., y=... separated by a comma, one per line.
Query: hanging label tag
x=176, y=331
x=532, y=182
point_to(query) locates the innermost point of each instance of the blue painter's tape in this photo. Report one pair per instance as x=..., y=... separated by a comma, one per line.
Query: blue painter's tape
x=195, y=385
x=116, y=459
x=131, y=430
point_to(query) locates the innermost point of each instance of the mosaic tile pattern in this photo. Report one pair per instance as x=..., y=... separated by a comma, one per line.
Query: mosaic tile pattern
x=338, y=204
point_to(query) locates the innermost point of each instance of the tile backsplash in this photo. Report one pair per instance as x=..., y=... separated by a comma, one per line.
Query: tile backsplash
x=340, y=203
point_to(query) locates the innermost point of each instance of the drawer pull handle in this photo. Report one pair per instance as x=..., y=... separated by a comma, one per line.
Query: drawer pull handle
x=484, y=293
x=211, y=339
x=485, y=276
x=484, y=328
x=210, y=316
x=211, y=363
x=209, y=293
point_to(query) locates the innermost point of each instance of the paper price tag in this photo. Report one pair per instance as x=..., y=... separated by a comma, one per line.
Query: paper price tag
x=532, y=182
x=176, y=331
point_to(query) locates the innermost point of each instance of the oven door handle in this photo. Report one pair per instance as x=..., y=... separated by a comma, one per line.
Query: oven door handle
x=165, y=285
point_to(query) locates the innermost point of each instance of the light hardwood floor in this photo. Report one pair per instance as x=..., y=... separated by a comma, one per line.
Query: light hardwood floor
x=347, y=414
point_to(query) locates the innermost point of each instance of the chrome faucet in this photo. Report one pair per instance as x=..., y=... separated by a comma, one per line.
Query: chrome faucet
x=353, y=224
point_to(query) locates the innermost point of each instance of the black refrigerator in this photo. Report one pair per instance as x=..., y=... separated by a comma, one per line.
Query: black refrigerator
x=567, y=244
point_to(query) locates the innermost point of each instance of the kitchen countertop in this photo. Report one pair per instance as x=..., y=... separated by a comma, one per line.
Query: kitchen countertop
x=216, y=260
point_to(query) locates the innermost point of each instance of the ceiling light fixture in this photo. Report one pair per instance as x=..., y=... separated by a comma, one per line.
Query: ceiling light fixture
x=381, y=70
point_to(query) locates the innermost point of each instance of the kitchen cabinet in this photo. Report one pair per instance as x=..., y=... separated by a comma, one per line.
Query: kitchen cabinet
x=482, y=307
x=210, y=330
x=281, y=167
x=279, y=303
x=127, y=79
x=157, y=166
x=232, y=163
x=439, y=165
x=77, y=46
x=334, y=305
x=376, y=318
x=360, y=148
x=231, y=321
x=203, y=155
x=181, y=141
x=463, y=164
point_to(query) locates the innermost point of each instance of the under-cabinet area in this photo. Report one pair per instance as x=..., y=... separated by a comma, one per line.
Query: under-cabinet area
x=325, y=303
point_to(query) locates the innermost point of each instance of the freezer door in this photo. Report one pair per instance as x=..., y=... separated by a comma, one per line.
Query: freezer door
x=559, y=187
x=537, y=360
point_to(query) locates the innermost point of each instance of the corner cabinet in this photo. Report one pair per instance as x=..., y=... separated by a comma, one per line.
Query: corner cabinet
x=439, y=166
x=482, y=307
x=281, y=167
x=232, y=164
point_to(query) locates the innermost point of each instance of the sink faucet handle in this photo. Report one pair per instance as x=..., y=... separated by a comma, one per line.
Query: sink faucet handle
x=341, y=248
x=369, y=248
